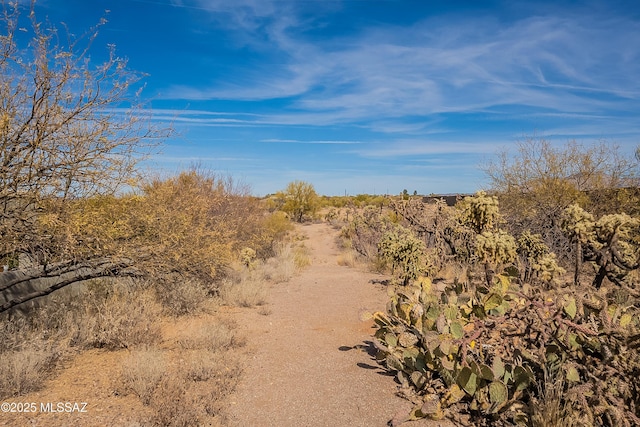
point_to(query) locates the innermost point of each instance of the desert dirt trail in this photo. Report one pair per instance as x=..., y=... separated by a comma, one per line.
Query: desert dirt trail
x=310, y=361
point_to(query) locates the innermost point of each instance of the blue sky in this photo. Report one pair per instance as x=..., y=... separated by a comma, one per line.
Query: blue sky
x=372, y=96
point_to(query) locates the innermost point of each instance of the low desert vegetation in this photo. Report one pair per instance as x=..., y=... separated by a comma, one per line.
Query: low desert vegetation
x=184, y=383
x=102, y=256
x=527, y=314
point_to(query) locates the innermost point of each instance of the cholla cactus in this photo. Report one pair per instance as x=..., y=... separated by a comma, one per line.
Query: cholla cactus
x=577, y=223
x=248, y=257
x=616, y=226
x=611, y=243
x=547, y=268
x=404, y=251
x=480, y=212
x=496, y=247
x=617, y=247
x=538, y=258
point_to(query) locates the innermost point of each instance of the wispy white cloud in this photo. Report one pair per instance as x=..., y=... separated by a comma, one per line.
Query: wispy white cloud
x=296, y=141
x=196, y=159
x=558, y=63
x=422, y=147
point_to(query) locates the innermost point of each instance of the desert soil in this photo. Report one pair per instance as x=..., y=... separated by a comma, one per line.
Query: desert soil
x=312, y=364
x=307, y=362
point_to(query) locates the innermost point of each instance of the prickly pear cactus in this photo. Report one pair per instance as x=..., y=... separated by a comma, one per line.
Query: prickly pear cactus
x=486, y=352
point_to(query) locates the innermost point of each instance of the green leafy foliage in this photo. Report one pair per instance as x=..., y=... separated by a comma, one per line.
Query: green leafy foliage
x=300, y=199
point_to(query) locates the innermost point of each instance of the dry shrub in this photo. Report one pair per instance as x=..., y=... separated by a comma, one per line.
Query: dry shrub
x=205, y=365
x=301, y=257
x=348, y=258
x=180, y=401
x=182, y=297
x=102, y=313
x=174, y=405
x=23, y=371
x=142, y=371
x=124, y=319
x=212, y=337
x=249, y=291
x=282, y=266
x=202, y=366
x=271, y=229
x=186, y=393
x=265, y=311
x=12, y=333
x=206, y=220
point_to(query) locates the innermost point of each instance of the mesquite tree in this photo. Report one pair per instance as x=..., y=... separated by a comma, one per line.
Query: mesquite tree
x=69, y=128
x=71, y=132
x=539, y=179
x=300, y=199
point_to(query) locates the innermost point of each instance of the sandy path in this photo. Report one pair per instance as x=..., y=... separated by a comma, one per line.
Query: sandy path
x=308, y=366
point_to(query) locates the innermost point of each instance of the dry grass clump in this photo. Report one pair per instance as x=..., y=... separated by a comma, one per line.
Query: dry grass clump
x=213, y=337
x=174, y=405
x=12, y=333
x=178, y=402
x=281, y=267
x=124, y=319
x=187, y=385
x=202, y=366
x=181, y=297
x=23, y=371
x=102, y=314
x=348, y=258
x=142, y=372
x=288, y=260
x=248, y=287
x=194, y=396
x=249, y=290
x=554, y=407
x=301, y=257
x=205, y=365
x=265, y=311
x=187, y=391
